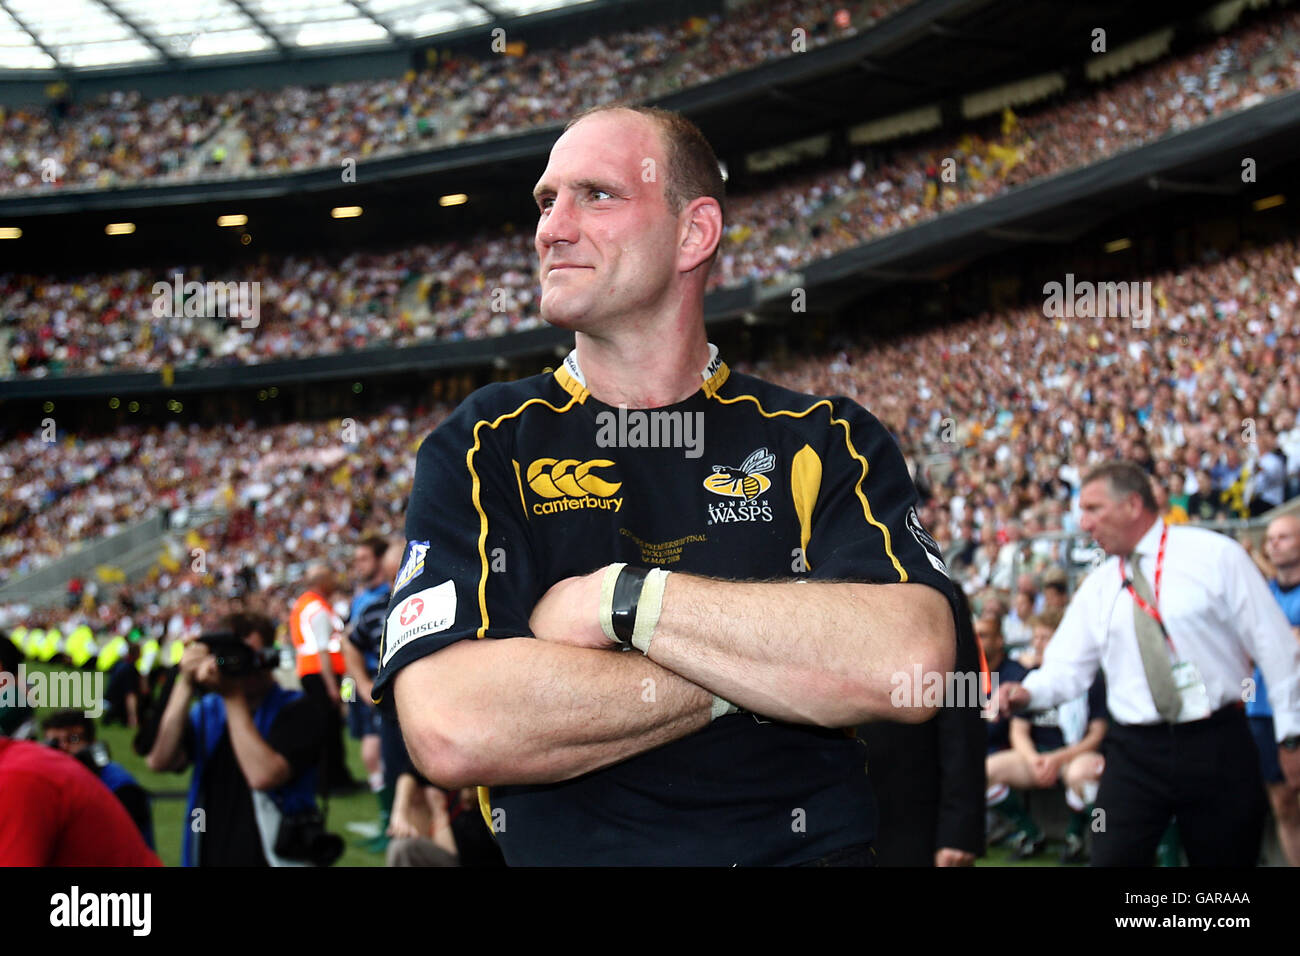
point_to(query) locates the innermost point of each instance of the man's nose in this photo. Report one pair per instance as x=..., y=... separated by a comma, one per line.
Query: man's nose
x=559, y=224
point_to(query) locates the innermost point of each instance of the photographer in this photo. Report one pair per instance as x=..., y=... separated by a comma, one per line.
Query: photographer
x=74, y=734
x=255, y=747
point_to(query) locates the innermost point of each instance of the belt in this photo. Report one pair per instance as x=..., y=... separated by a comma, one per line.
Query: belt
x=1225, y=714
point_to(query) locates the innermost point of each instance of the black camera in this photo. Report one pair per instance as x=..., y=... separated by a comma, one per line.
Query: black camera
x=304, y=839
x=235, y=658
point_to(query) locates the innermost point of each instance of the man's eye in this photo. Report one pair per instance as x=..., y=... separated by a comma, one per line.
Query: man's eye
x=599, y=193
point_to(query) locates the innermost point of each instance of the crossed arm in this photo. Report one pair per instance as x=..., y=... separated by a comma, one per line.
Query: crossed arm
x=818, y=653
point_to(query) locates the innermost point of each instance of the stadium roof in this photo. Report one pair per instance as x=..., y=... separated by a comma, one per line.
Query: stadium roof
x=70, y=35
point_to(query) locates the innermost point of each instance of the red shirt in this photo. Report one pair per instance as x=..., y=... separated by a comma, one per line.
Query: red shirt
x=55, y=812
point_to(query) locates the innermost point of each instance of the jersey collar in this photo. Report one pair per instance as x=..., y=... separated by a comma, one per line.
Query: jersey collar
x=571, y=379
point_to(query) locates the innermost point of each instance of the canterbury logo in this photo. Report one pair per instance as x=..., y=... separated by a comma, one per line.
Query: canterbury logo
x=568, y=477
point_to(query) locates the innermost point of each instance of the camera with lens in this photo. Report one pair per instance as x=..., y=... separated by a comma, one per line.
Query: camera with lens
x=304, y=839
x=235, y=658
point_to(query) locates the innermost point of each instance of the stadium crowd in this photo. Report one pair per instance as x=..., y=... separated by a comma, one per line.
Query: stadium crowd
x=123, y=138
x=998, y=415
x=483, y=286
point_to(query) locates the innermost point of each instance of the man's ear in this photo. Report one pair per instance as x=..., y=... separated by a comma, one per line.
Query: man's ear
x=702, y=232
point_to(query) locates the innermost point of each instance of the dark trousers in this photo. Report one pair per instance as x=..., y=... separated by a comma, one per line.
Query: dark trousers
x=334, y=768
x=860, y=854
x=1204, y=774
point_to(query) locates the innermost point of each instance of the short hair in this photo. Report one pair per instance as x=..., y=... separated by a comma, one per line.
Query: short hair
x=693, y=169
x=244, y=623
x=1123, y=478
x=67, y=719
x=376, y=543
x=1050, y=619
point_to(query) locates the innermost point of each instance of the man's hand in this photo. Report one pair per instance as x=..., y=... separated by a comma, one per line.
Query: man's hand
x=1290, y=763
x=399, y=826
x=194, y=655
x=569, y=613
x=947, y=856
x=208, y=674
x=1011, y=698
x=1045, y=767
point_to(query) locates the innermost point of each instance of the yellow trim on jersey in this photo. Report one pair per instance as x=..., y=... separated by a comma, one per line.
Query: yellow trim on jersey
x=580, y=391
x=519, y=480
x=853, y=453
x=478, y=506
x=805, y=485
x=571, y=384
x=714, y=381
x=484, y=798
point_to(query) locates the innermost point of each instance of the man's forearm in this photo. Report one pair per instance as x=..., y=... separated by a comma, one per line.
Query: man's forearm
x=262, y=767
x=818, y=652
x=356, y=665
x=1090, y=741
x=166, y=746
x=521, y=711
x=327, y=675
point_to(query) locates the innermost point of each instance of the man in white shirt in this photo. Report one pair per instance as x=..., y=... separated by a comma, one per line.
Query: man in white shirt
x=1174, y=617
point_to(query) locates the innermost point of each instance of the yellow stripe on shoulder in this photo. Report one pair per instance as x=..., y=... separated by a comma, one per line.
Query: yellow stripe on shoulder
x=853, y=453
x=475, y=488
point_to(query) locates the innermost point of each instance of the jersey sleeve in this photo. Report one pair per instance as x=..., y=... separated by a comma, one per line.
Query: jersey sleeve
x=468, y=570
x=864, y=525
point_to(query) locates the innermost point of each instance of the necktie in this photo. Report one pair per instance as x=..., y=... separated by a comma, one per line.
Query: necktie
x=1151, y=645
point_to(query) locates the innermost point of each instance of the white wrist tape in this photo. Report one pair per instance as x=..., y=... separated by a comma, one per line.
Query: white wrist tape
x=721, y=708
x=648, y=608
x=607, y=600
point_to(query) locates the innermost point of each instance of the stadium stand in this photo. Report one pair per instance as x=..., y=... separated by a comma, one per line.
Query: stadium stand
x=323, y=304
x=999, y=411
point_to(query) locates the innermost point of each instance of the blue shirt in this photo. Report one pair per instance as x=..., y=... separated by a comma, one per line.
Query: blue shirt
x=367, y=597
x=1290, y=600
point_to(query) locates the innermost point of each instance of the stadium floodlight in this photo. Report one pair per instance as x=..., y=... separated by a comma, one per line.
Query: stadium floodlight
x=345, y=212
x=10, y=232
x=235, y=219
x=119, y=228
x=454, y=199
x=1118, y=245
x=1268, y=202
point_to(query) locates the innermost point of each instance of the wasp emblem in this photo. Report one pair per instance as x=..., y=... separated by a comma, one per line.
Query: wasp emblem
x=748, y=481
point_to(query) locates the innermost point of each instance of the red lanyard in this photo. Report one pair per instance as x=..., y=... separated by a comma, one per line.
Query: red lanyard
x=1137, y=598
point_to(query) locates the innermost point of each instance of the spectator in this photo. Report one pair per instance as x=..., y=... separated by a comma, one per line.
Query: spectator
x=316, y=632
x=255, y=748
x=375, y=565
x=74, y=734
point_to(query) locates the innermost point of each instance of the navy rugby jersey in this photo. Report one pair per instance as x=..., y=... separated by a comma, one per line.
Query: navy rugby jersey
x=532, y=481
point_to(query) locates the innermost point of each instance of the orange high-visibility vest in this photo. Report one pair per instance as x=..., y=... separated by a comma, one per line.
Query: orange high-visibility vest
x=310, y=622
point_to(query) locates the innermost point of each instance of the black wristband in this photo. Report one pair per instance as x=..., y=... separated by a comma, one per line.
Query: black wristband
x=627, y=593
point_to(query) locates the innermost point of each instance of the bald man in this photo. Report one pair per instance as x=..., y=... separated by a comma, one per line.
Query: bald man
x=1282, y=547
x=653, y=651
x=317, y=635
